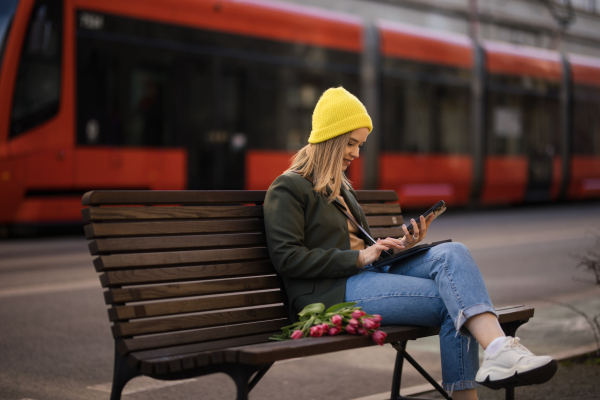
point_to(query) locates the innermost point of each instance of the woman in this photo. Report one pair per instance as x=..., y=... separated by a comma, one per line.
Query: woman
x=322, y=258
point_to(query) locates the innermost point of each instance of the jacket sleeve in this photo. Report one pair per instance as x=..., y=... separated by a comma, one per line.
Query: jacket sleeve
x=284, y=212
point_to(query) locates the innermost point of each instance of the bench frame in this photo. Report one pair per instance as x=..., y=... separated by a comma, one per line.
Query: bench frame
x=245, y=362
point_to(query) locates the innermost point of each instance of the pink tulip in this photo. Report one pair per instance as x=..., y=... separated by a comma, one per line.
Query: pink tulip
x=336, y=320
x=362, y=331
x=368, y=323
x=316, y=331
x=297, y=334
x=377, y=325
x=334, y=330
x=354, y=322
x=379, y=337
x=351, y=329
x=376, y=317
x=357, y=314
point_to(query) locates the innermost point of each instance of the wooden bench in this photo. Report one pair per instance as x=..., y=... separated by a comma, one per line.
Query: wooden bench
x=192, y=291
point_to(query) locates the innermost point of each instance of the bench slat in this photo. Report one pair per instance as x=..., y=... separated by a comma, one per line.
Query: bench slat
x=126, y=197
x=372, y=196
x=170, y=291
x=270, y=352
x=166, y=364
x=139, y=343
x=166, y=212
x=181, y=274
x=514, y=313
x=186, y=349
x=387, y=232
x=385, y=220
x=120, y=229
x=379, y=209
x=194, y=305
x=103, y=263
x=185, y=322
x=172, y=243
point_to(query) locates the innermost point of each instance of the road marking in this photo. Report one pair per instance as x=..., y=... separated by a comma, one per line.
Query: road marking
x=46, y=288
x=140, y=384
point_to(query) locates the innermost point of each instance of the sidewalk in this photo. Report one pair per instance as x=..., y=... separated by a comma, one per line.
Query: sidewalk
x=554, y=330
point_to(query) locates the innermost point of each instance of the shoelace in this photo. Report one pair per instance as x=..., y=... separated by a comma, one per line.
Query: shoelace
x=514, y=343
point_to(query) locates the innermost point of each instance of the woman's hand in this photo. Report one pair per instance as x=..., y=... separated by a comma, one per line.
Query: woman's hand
x=419, y=234
x=372, y=253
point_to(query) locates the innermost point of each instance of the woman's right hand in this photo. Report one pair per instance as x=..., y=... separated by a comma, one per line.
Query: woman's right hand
x=372, y=253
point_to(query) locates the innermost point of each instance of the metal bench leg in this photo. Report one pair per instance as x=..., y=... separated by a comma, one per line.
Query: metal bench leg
x=400, y=357
x=510, y=329
x=241, y=375
x=122, y=373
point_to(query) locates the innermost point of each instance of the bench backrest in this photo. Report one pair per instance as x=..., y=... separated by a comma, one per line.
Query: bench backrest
x=192, y=267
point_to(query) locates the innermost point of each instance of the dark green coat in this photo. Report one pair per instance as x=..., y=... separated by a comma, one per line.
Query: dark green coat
x=308, y=241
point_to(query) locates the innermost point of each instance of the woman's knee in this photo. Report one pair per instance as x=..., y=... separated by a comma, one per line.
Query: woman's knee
x=453, y=250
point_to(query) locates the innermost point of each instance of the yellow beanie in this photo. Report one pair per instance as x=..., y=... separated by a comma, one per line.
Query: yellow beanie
x=337, y=112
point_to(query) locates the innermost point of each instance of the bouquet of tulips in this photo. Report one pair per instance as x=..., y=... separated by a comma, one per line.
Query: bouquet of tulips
x=344, y=317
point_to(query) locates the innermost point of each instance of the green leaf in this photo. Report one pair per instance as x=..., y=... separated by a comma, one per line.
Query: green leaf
x=314, y=308
x=340, y=306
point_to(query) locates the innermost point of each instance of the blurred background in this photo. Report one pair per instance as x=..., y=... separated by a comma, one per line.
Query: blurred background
x=491, y=105
x=479, y=102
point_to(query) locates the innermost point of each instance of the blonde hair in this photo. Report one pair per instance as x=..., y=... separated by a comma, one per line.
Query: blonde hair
x=322, y=163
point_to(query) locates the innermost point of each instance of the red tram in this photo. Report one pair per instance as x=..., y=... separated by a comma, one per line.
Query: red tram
x=218, y=94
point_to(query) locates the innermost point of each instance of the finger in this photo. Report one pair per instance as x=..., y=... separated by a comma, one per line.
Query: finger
x=391, y=242
x=429, y=219
x=399, y=243
x=406, y=233
x=415, y=229
x=381, y=247
x=424, y=225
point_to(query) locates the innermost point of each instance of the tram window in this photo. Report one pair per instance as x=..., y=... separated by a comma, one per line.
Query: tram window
x=37, y=88
x=7, y=11
x=425, y=117
x=282, y=102
x=520, y=124
x=522, y=117
x=505, y=124
x=586, y=120
x=195, y=87
x=122, y=95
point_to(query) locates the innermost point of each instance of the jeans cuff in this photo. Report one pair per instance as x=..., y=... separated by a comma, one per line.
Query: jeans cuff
x=460, y=385
x=471, y=311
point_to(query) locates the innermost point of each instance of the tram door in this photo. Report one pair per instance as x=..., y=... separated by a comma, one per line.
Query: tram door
x=542, y=127
x=211, y=122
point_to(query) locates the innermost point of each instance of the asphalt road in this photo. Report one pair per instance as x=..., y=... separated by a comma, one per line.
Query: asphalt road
x=55, y=340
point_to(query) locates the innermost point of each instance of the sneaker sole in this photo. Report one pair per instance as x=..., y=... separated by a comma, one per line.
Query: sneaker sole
x=534, y=377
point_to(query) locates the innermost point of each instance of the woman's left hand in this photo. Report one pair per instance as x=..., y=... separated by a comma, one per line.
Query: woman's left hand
x=419, y=234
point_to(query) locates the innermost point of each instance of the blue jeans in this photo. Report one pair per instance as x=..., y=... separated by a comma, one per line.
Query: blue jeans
x=441, y=287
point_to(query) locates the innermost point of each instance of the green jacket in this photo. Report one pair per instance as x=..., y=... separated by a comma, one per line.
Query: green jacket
x=308, y=241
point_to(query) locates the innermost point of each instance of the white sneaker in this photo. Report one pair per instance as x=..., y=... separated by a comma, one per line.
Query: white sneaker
x=514, y=365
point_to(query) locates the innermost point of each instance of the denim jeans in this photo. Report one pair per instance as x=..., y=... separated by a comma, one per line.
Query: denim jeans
x=441, y=287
